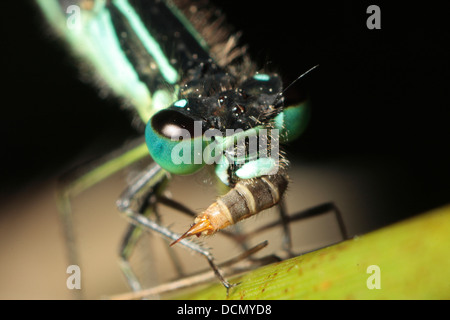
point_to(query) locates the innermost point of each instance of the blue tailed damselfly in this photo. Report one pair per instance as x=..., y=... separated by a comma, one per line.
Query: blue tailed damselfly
x=174, y=63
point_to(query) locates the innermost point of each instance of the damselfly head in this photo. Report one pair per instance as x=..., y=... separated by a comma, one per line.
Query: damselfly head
x=217, y=98
x=210, y=101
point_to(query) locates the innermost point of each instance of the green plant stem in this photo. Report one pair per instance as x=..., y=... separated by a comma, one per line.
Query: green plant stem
x=413, y=257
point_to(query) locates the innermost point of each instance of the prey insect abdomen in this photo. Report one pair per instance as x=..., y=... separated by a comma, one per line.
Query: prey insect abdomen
x=252, y=196
x=247, y=198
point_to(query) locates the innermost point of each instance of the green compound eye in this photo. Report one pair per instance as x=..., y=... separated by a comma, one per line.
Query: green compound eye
x=293, y=121
x=175, y=142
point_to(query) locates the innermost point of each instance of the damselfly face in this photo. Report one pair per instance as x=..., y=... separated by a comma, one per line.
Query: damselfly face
x=213, y=104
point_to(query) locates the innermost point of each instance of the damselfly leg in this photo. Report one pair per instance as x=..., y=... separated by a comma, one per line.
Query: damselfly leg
x=143, y=204
x=287, y=220
x=73, y=184
x=152, y=176
x=140, y=203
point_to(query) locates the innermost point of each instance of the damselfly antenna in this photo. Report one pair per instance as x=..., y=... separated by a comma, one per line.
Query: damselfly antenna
x=280, y=94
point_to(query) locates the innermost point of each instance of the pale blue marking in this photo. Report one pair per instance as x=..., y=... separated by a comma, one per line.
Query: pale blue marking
x=261, y=77
x=181, y=103
x=257, y=168
x=222, y=169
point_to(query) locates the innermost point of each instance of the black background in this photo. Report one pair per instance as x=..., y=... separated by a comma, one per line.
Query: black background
x=380, y=97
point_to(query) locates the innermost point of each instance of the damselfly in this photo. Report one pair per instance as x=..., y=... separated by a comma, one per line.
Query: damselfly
x=203, y=102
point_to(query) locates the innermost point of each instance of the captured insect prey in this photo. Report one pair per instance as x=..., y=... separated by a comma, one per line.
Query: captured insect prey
x=247, y=198
x=199, y=102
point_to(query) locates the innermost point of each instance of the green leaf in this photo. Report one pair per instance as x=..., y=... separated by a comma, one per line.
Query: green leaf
x=413, y=257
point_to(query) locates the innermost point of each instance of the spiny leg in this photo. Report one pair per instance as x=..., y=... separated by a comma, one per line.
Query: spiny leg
x=151, y=201
x=247, y=252
x=310, y=212
x=201, y=277
x=322, y=209
x=286, y=220
x=129, y=241
x=143, y=221
x=172, y=254
x=70, y=187
x=147, y=207
x=147, y=178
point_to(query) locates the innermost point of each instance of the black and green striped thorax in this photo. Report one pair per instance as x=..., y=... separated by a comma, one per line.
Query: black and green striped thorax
x=176, y=64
